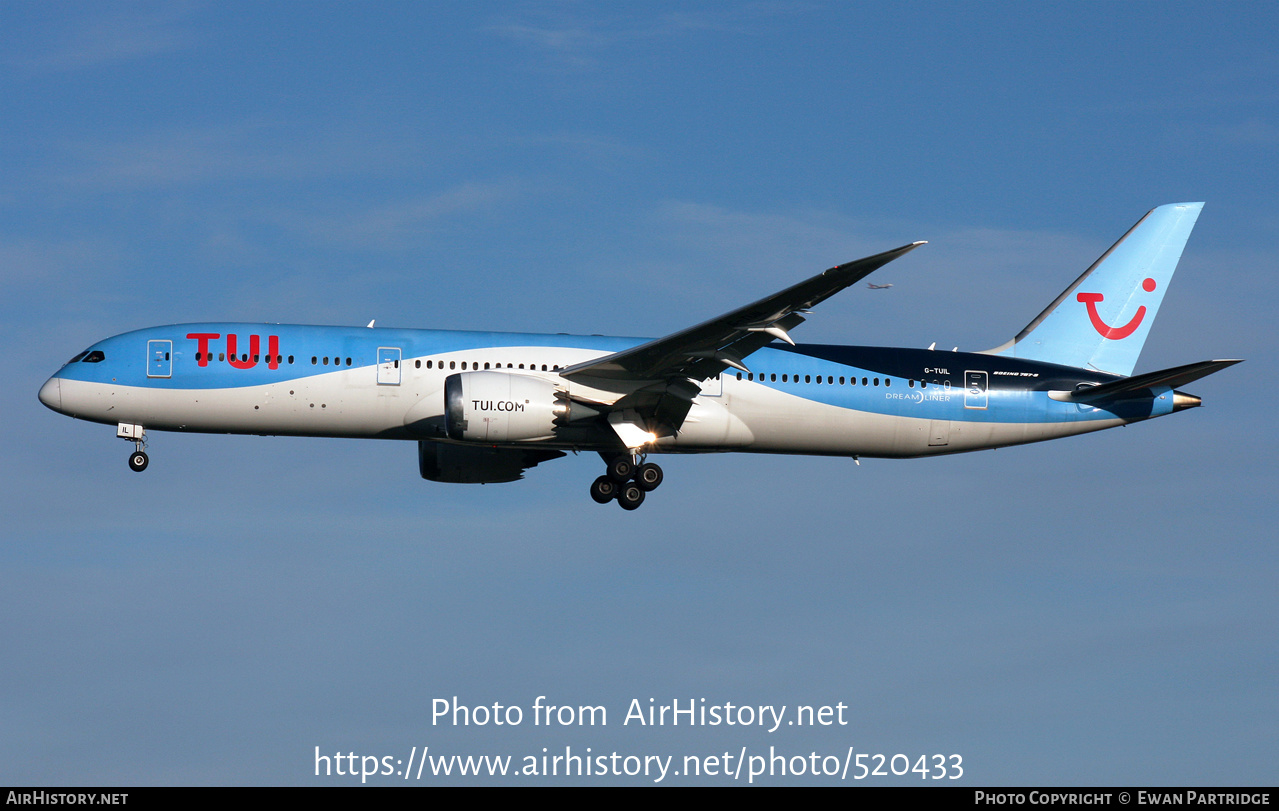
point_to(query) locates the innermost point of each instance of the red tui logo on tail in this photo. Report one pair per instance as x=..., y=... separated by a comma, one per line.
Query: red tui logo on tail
x=1107, y=331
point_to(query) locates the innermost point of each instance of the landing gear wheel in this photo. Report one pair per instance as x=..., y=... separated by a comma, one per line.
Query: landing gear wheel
x=138, y=461
x=621, y=468
x=630, y=496
x=604, y=490
x=648, y=477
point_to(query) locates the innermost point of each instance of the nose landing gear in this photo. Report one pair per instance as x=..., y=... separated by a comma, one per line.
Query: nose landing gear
x=628, y=480
x=138, y=460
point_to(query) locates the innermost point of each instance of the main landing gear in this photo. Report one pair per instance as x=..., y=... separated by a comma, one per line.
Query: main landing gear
x=627, y=481
x=136, y=434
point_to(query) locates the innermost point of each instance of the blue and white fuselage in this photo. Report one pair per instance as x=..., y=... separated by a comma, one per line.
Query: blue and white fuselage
x=485, y=406
x=389, y=384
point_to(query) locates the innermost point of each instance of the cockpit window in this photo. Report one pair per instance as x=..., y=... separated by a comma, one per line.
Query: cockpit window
x=79, y=357
x=95, y=356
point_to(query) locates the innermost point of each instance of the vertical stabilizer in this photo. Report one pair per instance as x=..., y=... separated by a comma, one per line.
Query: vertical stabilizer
x=1101, y=321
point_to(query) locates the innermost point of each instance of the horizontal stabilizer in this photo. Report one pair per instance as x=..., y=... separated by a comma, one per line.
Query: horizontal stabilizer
x=1144, y=385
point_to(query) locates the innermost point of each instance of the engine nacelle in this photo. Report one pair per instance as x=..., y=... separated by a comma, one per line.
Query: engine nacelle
x=501, y=407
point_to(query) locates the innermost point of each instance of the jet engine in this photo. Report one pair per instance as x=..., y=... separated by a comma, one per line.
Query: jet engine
x=499, y=407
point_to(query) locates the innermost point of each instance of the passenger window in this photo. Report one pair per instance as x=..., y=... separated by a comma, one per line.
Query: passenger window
x=888, y=381
x=841, y=380
x=326, y=360
x=783, y=378
x=453, y=364
x=877, y=381
x=290, y=360
x=808, y=378
x=314, y=359
x=774, y=377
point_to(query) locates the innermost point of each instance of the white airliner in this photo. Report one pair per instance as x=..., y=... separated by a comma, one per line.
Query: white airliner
x=486, y=406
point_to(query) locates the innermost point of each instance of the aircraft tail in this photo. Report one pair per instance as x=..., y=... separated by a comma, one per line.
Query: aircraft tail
x=1101, y=321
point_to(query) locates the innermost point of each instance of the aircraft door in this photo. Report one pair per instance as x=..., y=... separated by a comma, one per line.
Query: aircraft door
x=976, y=385
x=388, y=366
x=159, y=358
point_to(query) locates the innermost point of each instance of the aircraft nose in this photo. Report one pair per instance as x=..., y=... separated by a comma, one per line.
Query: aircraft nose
x=51, y=393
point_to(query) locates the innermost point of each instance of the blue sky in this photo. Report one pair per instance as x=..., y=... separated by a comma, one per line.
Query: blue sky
x=1095, y=610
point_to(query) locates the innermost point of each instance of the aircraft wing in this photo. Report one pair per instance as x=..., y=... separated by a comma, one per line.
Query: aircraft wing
x=703, y=351
x=662, y=377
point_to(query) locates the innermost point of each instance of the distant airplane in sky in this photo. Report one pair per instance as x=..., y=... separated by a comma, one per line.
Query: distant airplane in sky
x=878, y=286
x=487, y=406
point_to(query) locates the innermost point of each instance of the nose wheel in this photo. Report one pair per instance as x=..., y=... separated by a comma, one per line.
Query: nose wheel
x=138, y=460
x=627, y=481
